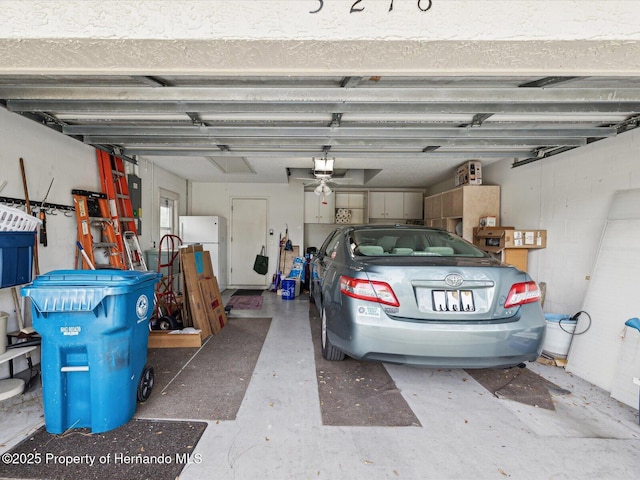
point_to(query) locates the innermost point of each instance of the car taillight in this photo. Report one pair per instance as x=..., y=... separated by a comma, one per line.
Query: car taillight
x=522, y=293
x=371, y=291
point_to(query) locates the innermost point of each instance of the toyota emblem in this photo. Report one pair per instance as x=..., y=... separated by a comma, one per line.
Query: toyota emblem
x=453, y=280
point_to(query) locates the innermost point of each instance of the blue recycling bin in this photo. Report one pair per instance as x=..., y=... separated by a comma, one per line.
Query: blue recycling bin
x=94, y=326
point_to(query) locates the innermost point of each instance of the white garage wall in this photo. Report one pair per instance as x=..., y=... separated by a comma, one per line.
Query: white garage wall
x=48, y=154
x=155, y=178
x=285, y=206
x=568, y=195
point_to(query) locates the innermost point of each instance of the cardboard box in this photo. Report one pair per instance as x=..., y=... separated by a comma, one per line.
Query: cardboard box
x=469, y=173
x=491, y=239
x=489, y=221
x=526, y=239
x=165, y=339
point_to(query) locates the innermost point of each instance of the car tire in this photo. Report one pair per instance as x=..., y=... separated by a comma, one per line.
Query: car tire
x=312, y=299
x=329, y=352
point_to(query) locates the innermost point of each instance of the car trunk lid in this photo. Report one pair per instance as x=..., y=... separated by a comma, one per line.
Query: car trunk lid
x=465, y=290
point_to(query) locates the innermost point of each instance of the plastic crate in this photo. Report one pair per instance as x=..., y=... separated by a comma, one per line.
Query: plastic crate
x=14, y=220
x=16, y=258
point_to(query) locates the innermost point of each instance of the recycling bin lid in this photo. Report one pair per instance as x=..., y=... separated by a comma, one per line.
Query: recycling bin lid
x=97, y=278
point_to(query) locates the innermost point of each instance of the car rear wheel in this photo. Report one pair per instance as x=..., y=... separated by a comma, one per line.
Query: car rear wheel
x=329, y=352
x=311, y=299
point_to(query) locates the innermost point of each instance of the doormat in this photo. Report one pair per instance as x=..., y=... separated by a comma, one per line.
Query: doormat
x=208, y=383
x=244, y=291
x=138, y=449
x=355, y=393
x=245, y=302
x=519, y=385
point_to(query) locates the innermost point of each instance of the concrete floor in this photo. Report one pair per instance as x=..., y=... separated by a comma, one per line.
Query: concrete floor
x=466, y=432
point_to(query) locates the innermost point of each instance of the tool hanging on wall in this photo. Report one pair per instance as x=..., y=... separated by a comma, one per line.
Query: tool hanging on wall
x=43, y=217
x=36, y=263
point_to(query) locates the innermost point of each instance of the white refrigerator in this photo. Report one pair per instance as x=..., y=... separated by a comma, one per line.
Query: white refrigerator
x=211, y=232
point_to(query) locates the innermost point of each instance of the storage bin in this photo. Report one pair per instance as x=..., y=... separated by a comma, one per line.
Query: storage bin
x=94, y=326
x=558, y=334
x=16, y=258
x=288, y=289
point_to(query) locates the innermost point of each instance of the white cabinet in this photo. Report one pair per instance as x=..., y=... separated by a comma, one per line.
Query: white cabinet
x=395, y=205
x=358, y=207
x=385, y=204
x=317, y=212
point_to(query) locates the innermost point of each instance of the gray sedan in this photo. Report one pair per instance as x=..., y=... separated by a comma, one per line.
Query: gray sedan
x=422, y=296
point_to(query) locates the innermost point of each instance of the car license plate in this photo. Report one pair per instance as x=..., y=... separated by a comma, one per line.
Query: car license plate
x=453, y=301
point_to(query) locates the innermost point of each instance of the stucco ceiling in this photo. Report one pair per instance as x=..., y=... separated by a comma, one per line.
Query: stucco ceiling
x=383, y=131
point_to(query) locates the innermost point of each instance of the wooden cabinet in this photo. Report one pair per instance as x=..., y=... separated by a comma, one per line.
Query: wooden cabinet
x=433, y=207
x=412, y=205
x=460, y=209
x=351, y=207
x=395, y=205
x=317, y=212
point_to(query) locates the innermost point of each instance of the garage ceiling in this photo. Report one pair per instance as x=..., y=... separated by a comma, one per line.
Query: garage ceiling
x=382, y=131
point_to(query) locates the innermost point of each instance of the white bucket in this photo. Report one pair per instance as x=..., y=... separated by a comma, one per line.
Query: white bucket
x=559, y=333
x=4, y=316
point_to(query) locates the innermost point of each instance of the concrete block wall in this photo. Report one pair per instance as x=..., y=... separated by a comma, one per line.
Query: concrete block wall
x=569, y=195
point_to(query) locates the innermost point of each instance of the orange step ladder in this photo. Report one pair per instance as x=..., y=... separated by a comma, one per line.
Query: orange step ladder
x=92, y=213
x=113, y=179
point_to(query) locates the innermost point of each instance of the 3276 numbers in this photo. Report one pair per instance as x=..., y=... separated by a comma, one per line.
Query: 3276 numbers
x=358, y=6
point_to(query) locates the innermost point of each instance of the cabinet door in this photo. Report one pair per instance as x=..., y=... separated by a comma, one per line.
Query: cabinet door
x=349, y=200
x=452, y=203
x=311, y=201
x=412, y=205
x=326, y=211
x=433, y=206
x=376, y=205
x=394, y=205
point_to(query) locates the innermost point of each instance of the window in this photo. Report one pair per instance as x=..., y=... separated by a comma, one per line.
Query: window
x=168, y=212
x=407, y=241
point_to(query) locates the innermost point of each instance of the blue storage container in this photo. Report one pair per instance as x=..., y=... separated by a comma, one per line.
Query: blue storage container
x=288, y=289
x=16, y=258
x=94, y=326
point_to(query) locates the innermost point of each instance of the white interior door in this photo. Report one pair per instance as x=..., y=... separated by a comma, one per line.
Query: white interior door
x=248, y=235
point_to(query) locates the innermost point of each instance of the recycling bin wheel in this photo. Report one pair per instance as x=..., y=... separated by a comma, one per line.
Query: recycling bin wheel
x=146, y=384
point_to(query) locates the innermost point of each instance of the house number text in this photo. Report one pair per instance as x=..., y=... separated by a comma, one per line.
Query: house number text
x=359, y=5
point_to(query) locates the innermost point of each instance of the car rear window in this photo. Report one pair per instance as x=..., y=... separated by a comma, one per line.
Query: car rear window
x=373, y=242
